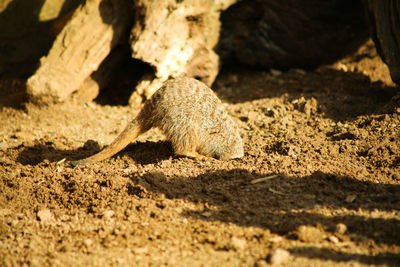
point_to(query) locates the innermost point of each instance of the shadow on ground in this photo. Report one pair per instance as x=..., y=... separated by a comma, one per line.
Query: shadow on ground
x=338, y=93
x=284, y=203
x=141, y=152
x=390, y=259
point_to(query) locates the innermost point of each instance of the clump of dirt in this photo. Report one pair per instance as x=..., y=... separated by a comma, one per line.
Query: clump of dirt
x=319, y=183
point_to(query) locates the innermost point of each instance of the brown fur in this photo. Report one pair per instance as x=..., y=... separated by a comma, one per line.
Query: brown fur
x=192, y=118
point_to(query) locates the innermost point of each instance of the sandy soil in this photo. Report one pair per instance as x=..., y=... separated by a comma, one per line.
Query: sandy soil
x=319, y=184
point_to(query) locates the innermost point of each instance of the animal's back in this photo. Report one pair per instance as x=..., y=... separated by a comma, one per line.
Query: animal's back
x=183, y=101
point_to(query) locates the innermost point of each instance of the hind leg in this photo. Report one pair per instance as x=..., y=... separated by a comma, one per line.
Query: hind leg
x=190, y=154
x=186, y=145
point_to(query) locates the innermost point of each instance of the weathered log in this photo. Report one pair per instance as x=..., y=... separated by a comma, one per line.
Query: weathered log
x=176, y=38
x=24, y=32
x=384, y=18
x=85, y=41
x=291, y=33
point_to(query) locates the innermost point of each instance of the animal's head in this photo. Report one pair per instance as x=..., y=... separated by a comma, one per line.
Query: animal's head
x=233, y=148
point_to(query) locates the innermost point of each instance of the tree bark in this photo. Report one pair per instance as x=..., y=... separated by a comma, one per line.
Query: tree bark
x=384, y=18
x=176, y=38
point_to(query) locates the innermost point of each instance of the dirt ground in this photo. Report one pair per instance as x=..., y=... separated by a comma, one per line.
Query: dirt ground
x=319, y=184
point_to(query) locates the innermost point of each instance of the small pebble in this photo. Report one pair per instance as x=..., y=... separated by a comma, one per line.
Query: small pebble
x=141, y=250
x=45, y=216
x=91, y=145
x=59, y=168
x=64, y=218
x=261, y=263
x=279, y=256
x=275, y=72
x=350, y=198
x=334, y=239
x=307, y=233
x=88, y=242
x=341, y=228
x=238, y=243
x=207, y=214
x=107, y=214
x=276, y=239
x=300, y=71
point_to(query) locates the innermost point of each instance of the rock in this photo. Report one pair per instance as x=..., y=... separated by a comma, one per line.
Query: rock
x=279, y=256
x=207, y=214
x=88, y=242
x=341, y=228
x=275, y=72
x=261, y=263
x=308, y=106
x=107, y=215
x=276, y=239
x=45, y=216
x=91, y=145
x=350, y=198
x=307, y=233
x=65, y=218
x=334, y=239
x=238, y=243
x=140, y=250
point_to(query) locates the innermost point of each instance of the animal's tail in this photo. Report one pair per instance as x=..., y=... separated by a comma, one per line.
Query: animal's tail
x=132, y=130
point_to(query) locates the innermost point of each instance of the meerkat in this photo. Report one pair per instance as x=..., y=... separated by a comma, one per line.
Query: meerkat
x=192, y=118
